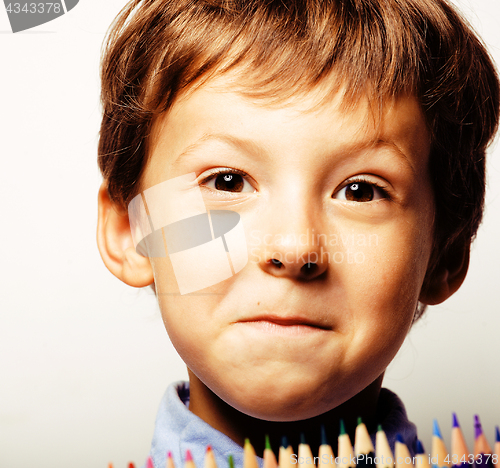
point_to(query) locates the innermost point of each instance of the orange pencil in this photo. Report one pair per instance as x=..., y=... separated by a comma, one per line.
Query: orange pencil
x=269, y=457
x=110, y=465
x=209, y=458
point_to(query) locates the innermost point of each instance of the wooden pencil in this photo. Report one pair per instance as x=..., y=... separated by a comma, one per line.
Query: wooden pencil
x=384, y=457
x=363, y=447
x=149, y=463
x=497, y=448
x=345, y=457
x=189, y=462
x=482, y=450
x=249, y=456
x=209, y=461
x=421, y=458
x=325, y=453
x=459, y=451
x=304, y=453
x=269, y=457
x=285, y=455
x=402, y=455
x=439, y=454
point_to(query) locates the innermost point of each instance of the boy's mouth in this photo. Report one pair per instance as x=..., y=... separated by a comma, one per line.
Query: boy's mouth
x=284, y=325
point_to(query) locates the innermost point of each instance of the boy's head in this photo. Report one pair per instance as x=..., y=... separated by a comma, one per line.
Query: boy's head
x=360, y=124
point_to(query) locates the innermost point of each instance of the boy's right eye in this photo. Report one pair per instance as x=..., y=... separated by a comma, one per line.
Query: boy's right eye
x=227, y=180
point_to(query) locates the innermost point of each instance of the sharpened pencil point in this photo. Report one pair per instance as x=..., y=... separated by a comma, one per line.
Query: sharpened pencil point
x=379, y=428
x=498, y=434
x=399, y=438
x=149, y=463
x=230, y=461
x=420, y=447
x=189, y=457
x=360, y=420
x=268, y=443
x=324, y=440
x=209, y=448
x=342, y=427
x=435, y=430
x=284, y=442
x=478, y=429
x=455, y=420
x=302, y=438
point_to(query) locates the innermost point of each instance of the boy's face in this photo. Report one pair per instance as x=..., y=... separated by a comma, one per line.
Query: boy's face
x=280, y=340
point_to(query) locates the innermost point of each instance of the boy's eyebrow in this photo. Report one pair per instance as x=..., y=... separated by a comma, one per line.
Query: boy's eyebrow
x=251, y=147
x=247, y=146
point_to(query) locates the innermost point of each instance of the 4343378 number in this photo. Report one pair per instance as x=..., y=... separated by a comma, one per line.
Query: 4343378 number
x=39, y=8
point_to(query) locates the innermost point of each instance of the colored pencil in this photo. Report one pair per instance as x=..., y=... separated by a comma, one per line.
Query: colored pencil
x=345, y=452
x=249, y=457
x=421, y=458
x=269, y=457
x=149, y=463
x=209, y=461
x=384, y=457
x=497, y=448
x=439, y=454
x=304, y=453
x=482, y=449
x=459, y=451
x=402, y=455
x=325, y=453
x=230, y=461
x=285, y=456
x=189, y=462
x=363, y=447
x=131, y=465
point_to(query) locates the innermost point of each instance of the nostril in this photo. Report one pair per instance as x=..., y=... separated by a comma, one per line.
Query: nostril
x=276, y=262
x=309, y=268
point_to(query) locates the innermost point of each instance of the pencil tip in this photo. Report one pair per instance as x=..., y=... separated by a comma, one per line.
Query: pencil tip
x=169, y=454
x=478, y=429
x=268, y=443
x=189, y=457
x=342, y=427
x=379, y=428
x=149, y=463
x=302, y=438
x=209, y=448
x=247, y=442
x=435, y=430
x=420, y=447
x=230, y=461
x=455, y=420
x=360, y=420
x=131, y=465
x=498, y=434
x=399, y=438
x=324, y=440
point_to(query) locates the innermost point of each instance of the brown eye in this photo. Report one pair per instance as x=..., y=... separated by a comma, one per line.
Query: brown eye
x=229, y=182
x=359, y=191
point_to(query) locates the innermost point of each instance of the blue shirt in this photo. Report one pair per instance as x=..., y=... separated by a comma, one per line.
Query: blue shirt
x=177, y=429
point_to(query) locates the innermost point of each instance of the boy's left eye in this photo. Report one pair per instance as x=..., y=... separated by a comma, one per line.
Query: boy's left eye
x=361, y=191
x=228, y=181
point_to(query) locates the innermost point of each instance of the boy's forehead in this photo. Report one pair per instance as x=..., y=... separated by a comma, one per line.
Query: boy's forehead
x=222, y=108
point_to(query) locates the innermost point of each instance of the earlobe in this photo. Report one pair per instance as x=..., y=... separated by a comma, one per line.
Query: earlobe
x=447, y=276
x=116, y=246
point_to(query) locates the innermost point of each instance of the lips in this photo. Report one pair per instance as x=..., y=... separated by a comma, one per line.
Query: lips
x=292, y=321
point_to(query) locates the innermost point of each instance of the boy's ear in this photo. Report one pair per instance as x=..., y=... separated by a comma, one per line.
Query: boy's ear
x=116, y=246
x=447, y=276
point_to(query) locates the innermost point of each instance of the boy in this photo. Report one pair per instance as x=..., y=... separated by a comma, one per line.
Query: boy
x=342, y=143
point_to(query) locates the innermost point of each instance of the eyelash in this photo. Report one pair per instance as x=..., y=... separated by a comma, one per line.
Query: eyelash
x=361, y=179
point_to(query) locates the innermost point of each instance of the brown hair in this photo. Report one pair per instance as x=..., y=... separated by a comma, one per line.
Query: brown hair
x=156, y=49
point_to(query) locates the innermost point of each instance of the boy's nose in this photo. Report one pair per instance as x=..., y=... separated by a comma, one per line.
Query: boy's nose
x=300, y=254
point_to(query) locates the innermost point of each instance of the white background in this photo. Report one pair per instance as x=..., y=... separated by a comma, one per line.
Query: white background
x=84, y=359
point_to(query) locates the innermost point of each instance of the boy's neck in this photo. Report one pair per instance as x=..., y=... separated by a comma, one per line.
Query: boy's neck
x=238, y=426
